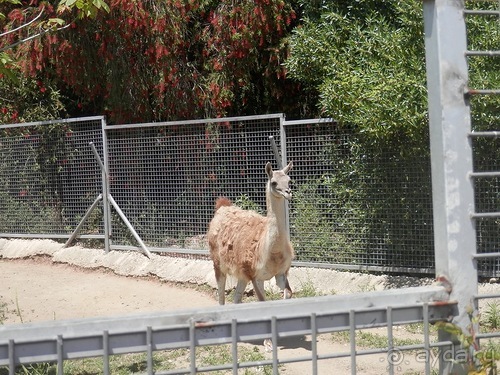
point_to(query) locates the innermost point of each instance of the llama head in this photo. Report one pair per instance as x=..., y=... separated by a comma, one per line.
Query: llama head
x=279, y=182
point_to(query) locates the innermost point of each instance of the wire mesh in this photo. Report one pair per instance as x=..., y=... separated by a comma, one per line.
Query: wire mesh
x=356, y=206
x=49, y=177
x=167, y=177
x=353, y=206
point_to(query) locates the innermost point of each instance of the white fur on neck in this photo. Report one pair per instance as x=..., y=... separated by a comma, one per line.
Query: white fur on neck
x=276, y=216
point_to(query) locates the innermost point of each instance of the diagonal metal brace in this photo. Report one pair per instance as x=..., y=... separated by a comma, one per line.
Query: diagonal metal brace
x=117, y=208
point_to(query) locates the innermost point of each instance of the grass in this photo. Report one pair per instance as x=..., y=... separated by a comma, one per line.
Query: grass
x=176, y=359
x=3, y=312
x=370, y=340
x=490, y=317
x=306, y=289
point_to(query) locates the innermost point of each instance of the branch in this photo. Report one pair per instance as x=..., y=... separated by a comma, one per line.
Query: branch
x=33, y=37
x=26, y=24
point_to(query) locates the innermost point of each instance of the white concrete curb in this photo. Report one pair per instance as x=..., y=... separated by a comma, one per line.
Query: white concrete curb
x=200, y=272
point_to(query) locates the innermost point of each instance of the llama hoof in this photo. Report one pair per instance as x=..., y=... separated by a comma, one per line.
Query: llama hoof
x=287, y=294
x=268, y=345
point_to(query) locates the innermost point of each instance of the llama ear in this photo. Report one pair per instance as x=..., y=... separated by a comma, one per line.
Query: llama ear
x=269, y=169
x=287, y=168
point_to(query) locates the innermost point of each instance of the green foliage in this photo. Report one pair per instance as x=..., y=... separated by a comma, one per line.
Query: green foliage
x=374, y=206
x=244, y=202
x=491, y=315
x=162, y=361
x=86, y=8
x=368, y=66
x=314, y=232
x=306, y=289
x=39, y=26
x=35, y=168
x=5, y=67
x=479, y=360
x=26, y=99
x=3, y=311
x=367, y=61
x=372, y=340
x=484, y=72
x=21, y=215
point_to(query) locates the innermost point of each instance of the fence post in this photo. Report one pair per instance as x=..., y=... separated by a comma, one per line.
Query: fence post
x=105, y=190
x=284, y=162
x=451, y=155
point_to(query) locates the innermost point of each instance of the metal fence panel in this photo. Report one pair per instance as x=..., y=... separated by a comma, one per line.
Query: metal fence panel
x=486, y=179
x=357, y=207
x=49, y=177
x=353, y=208
x=484, y=100
x=166, y=176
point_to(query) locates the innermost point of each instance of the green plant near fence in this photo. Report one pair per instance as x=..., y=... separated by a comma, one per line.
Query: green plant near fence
x=370, y=205
x=37, y=169
x=20, y=215
x=317, y=235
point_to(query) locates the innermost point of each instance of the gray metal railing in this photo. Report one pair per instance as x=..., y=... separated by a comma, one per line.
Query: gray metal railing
x=231, y=324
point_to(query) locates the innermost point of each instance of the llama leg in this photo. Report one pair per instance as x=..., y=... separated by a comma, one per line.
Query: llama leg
x=282, y=282
x=221, y=288
x=220, y=277
x=258, y=286
x=240, y=289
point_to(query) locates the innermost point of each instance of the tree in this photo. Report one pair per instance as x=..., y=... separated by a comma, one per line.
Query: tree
x=24, y=97
x=43, y=25
x=165, y=60
x=367, y=62
x=366, y=59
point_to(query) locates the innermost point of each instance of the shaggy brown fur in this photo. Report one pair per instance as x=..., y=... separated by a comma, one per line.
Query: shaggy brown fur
x=249, y=246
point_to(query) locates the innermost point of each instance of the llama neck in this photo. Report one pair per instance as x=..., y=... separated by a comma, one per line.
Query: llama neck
x=276, y=215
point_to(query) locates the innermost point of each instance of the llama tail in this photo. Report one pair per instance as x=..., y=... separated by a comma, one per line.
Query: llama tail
x=222, y=201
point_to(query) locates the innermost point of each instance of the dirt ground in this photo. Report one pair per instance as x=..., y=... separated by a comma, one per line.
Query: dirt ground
x=42, y=280
x=36, y=289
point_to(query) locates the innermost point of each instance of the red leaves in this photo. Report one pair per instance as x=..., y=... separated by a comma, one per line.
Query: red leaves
x=169, y=59
x=17, y=15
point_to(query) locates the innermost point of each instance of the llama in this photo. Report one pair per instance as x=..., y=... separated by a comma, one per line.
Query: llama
x=251, y=247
